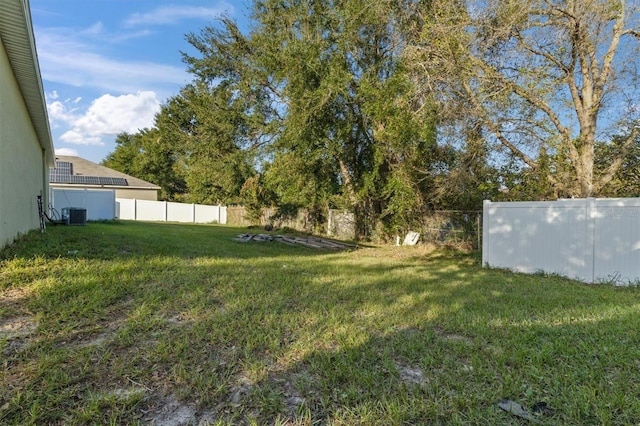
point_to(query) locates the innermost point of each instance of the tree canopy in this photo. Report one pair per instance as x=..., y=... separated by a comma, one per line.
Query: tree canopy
x=548, y=79
x=393, y=108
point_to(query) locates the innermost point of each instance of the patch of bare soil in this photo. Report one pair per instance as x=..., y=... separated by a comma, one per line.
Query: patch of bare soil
x=12, y=301
x=293, y=398
x=168, y=411
x=456, y=338
x=452, y=337
x=97, y=340
x=16, y=331
x=13, y=297
x=412, y=375
x=18, y=327
x=240, y=391
x=97, y=336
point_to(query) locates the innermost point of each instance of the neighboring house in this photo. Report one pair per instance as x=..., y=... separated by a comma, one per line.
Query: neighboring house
x=26, y=148
x=78, y=173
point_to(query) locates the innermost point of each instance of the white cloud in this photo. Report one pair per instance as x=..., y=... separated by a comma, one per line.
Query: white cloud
x=59, y=112
x=172, y=14
x=67, y=151
x=66, y=56
x=95, y=29
x=107, y=116
x=76, y=137
x=114, y=114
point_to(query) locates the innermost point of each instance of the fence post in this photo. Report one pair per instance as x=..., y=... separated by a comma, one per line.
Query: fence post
x=485, y=234
x=331, y=225
x=478, y=230
x=590, y=207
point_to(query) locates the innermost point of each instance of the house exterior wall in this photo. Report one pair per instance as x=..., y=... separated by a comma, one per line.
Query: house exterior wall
x=138, y=194
x=22, y=160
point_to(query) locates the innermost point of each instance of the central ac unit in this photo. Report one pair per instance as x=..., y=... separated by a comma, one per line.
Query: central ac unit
x=74, y=216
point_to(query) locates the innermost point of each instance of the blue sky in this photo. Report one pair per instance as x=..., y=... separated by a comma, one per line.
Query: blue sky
x=108, y=65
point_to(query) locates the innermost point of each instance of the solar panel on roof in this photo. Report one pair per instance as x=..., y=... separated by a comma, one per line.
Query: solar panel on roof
x=113, y=181
x=92, y=180
x=61, y=173
x=100, y=180
x=64, y=167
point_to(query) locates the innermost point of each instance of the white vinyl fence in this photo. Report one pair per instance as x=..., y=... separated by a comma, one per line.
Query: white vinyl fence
x=163, y=211
x=100, y=204
x=592, y=240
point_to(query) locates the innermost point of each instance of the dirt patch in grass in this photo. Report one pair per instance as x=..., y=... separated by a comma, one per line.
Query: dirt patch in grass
x=169, y=411
x=293, y=399
x=412, y=375
x=12, y=300
x=453, y=337
x=16, y=331
x=97, y=335
x=240, y=391
x=96, y=340
x=17, y=327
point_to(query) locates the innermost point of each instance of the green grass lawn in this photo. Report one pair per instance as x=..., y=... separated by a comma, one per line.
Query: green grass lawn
x=124, y=323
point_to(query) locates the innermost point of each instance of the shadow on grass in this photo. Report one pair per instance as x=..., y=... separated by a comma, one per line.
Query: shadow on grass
x=447, y=355
x=405, y=343
x=424, y=376
x=117, y=239
x=271, y=333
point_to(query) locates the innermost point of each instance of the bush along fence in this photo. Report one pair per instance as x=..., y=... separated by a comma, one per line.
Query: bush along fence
x=340, y=223
x=164, y=211
x=438, y=227
x=452, y=227
x=240, y=216
x=592, y=240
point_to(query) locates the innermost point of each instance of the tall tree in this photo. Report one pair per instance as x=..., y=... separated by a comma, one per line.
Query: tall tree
x=147, y=155
x=233, y=113
x=343, y=83
x=626, y=181
x=542, y=76
x=324, y=84
x=321, y=94
x=207, y=125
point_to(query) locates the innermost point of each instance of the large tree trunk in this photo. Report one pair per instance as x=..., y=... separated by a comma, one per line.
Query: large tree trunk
x=536, y=74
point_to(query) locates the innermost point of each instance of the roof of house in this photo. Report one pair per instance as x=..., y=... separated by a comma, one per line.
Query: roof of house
x=16, y=34
x=76, y=171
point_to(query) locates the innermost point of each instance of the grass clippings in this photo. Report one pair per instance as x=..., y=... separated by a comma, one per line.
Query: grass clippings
x=167, y=324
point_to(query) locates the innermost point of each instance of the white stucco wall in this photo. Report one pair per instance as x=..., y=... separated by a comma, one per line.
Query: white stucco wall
x=138, y=194
x=22, y=163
